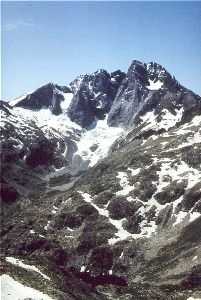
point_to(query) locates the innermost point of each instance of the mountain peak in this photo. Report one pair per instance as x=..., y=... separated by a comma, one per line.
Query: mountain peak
x=149, y=87
x=145, y=87
x=93, y=96
x=113, y=201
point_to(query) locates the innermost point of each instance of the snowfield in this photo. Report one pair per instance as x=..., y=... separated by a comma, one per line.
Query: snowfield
x=13, y=290
x=95, y=143
x=154, y=85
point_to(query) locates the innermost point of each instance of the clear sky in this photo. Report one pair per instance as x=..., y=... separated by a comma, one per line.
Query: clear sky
x=56, y=41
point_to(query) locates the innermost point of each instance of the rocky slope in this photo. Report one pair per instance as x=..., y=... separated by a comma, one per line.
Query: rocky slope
x=101, y=193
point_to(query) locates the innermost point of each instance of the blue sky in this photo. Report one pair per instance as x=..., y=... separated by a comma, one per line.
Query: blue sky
x=56, y=41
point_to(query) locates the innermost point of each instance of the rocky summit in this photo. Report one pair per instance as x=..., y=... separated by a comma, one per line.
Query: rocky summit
x=101, y=189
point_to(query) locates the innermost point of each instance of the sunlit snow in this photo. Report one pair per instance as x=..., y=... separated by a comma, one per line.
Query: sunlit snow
x=101, y=137
x=167, y=119
x=13, y=290
x=154, y=85
x=170, y=172
x=121, y=234
x=44, y=119
x=124, y=182
x=93, y=144
x=19, y=263
x=66, y=102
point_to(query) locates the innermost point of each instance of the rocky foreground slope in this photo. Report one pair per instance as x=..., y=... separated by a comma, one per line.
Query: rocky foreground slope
x=101, y=189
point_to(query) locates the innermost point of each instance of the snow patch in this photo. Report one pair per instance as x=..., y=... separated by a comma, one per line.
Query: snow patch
x=167, y=119
x=47, y=121
x=88, y=198
x=19, y=263
x=66, y=102
x=124, y=183
x=121, y=234
x=169, y=172
x=13, y=290
x=47, y=226
x=134, y=172
x=83, y=268
x=154, y=85
x=95, y=143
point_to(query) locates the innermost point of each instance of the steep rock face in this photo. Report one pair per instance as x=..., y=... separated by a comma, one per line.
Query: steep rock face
x=149, y=87
x=93, y=96
x=48, y=96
